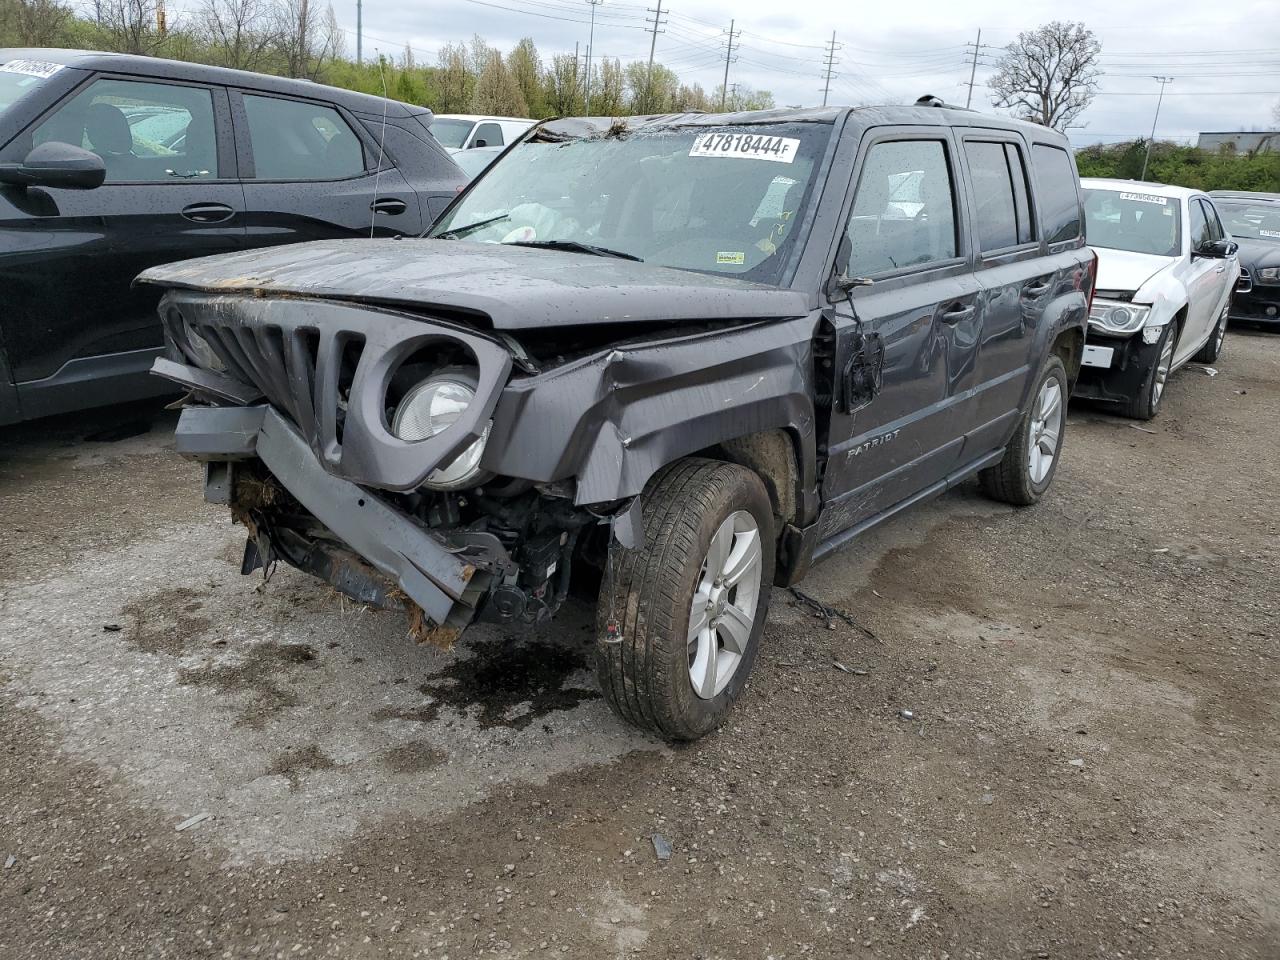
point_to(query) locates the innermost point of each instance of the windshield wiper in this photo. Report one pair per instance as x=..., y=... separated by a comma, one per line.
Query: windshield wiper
x=577, y=246
x=471, y=227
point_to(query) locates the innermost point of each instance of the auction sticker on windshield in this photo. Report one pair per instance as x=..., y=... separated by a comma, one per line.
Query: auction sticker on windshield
x=31, y=68
x=747, y=146
x=1145, y=198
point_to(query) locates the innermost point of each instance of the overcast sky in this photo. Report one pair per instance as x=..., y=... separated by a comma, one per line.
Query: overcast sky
x=1225, y=56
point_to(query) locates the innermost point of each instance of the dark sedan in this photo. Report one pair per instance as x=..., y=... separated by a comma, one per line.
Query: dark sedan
x=1253, y=220
x=110, y=164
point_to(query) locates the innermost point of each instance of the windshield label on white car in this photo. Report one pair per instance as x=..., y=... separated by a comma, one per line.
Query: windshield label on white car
x=1145, y=198
x=31, y=68
x=747, y=146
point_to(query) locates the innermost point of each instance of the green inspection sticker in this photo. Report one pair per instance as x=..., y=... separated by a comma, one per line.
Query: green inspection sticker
x=727, y=256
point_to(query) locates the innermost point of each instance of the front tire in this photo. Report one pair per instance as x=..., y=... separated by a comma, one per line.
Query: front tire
x=679, y=619
x=1031, y=459
x=1212, y=348
x=1150, y=394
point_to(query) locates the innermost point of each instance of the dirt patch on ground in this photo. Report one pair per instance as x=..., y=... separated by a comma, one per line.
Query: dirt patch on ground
x=166, y=622
x=413, y=757
x=257, y=674
x=294, y=764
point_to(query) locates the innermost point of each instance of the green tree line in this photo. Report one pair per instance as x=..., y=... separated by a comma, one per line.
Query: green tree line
x=301, y=38
x=1182, y=166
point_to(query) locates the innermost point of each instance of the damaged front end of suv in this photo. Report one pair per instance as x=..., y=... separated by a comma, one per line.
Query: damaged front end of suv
x=452, y=426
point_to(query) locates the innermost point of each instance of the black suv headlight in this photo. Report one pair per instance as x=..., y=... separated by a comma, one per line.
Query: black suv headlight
x=432, y=407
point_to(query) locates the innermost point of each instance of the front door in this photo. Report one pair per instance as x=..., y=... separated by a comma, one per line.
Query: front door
x=310, y=175
x=906, y=235
x=1205, y=276
x=72, y=322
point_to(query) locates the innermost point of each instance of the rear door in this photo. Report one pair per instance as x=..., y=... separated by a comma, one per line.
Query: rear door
x=311, y=172
x=72, y=322
x=906, y=233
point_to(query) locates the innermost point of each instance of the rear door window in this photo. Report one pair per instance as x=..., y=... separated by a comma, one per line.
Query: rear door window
x=142, y=131
x=1057, y=193
x=904, y=210
x=297, y=140
x=1000, y=191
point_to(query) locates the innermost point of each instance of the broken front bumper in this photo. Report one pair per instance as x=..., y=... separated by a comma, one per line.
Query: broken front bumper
x=434, y=575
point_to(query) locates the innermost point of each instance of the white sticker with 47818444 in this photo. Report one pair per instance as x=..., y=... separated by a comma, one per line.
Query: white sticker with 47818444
x=746, y=146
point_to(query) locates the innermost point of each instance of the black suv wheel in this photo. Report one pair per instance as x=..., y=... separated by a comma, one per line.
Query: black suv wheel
x=679, y=619
x=1031, y=459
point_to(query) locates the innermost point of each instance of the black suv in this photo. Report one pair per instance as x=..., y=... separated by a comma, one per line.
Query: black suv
x=110, y=164
x=677, y=358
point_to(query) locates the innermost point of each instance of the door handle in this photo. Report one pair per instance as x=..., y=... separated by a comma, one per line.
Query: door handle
x=1035, y=288
x=208, y=212
x=957, y=313
x=389, y=206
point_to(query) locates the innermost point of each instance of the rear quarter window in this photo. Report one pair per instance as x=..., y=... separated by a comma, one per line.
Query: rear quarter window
x=1058, y=192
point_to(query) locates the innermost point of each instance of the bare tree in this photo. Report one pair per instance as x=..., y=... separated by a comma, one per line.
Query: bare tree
x=34, y=23
x=307, y=37
x=239, y=33
x=1048, y=75
x=454, y=80
x=129, y=26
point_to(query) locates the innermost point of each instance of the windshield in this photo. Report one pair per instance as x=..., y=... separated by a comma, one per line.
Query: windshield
x=1254, y=221
x=712, y=199
x=473, y=162
x=1137, y=222
x=20, y=77
x=451, y=133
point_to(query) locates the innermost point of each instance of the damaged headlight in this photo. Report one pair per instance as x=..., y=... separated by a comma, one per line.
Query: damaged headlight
x=1114, y=317
x=429, y=409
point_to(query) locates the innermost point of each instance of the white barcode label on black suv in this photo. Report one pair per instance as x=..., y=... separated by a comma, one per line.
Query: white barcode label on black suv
x=748, y=146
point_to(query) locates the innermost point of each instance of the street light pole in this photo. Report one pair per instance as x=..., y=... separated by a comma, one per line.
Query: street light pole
x=1154, y=120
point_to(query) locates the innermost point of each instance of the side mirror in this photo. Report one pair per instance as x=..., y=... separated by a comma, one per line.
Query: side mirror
x=1218, y=249
x=480, y=143
x=55, y=164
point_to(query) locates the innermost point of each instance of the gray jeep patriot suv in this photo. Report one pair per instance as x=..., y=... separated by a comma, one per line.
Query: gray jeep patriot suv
x=678, y=358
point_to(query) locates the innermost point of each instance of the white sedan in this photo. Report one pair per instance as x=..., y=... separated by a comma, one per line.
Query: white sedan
x=1166, y=271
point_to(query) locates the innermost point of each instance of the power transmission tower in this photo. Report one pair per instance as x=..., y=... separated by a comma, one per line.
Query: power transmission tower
x=359, y=32
x=728, y=59
x=591, y=39
x=978, y=46
x=653, y=43
x=829, y=67
x=1163, y=81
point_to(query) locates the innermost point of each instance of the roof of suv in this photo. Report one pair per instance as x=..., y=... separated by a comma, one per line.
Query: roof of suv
x=1245, y=195
x=125, y=63
x=1140, y=186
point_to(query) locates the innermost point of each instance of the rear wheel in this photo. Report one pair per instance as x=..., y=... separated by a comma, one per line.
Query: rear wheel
x=1146, y=404
x=1212, y=348
x=1031, y=459
x=679, y=619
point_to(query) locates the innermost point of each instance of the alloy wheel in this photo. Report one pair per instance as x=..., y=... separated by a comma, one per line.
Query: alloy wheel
x=725, y=601
x=1046, y=428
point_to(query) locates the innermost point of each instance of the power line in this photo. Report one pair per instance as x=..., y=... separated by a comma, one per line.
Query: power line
x=653, y=43
x=1163, y=81
x=829, y=67
x=728, y=58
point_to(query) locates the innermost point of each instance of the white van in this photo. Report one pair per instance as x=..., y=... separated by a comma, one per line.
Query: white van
x=460, y=131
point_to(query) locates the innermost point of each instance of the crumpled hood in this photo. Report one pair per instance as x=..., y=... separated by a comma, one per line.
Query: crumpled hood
x=1123, y=270
x=516, y=287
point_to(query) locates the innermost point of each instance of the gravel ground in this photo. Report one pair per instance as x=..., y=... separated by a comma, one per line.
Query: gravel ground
x=1091, y=768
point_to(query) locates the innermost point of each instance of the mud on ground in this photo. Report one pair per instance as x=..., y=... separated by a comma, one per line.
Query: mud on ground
x=1091, y=768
